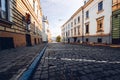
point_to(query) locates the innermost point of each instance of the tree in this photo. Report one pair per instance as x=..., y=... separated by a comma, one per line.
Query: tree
x=58, y=38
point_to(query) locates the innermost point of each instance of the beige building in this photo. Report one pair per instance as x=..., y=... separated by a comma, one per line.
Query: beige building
x=20, y=23
x=49, y=35
x=116, y=22
x=46, y=34
x=45, y=28
x=91, y=23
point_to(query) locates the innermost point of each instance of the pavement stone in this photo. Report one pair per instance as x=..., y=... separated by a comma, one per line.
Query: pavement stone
x=14, y=61
x=79, y=62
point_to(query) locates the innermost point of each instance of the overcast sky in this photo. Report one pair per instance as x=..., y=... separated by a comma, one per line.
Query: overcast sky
x=58, y=12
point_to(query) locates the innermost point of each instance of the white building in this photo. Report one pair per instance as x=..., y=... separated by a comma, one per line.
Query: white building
x=91, y=23
x=45, y=29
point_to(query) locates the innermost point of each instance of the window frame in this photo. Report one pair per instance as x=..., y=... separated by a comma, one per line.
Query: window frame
x=78, y=19
x=6, y=8
x=34, y=5
x=99, y=27
x=100, y=6
x=87, y=14
x=78, y=30
x=71, y=32
x=87, y=28
x=71, y=24
x=74, y=31
x=87, y=39
x=74, y=21
x=68, y=32
x=85, y=2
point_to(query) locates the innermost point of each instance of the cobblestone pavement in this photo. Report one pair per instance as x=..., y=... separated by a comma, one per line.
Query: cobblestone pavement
x=14, y=61
x=78, y=62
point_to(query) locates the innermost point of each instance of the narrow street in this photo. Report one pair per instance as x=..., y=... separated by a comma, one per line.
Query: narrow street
x=78, y=62
x=59, y=40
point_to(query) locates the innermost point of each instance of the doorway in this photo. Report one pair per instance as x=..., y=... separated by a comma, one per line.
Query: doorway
x=28, y=40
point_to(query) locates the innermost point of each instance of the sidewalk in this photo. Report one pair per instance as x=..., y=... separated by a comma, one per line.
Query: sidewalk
x=98, y=44
x=14, y=61
x=107, y=45
x=115, y=46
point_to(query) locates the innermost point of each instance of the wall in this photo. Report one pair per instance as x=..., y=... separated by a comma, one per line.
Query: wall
x=16, y=28
x=18, y=39
x=92, y=6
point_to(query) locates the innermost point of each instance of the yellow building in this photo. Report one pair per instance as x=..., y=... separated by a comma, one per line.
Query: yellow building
x=116, y=22
x=20, y=23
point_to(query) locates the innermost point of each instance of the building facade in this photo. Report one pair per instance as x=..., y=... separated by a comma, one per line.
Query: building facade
x=45, y=30
x=49, y=35
x=116, y=22
x=20, y=23
x=91, y=23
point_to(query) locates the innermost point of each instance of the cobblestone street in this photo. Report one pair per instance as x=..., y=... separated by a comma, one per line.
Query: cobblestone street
x=14, y=61
x=78, y=62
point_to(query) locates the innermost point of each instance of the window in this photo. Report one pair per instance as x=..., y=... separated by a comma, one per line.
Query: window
x=79, y=19
x=100, y=24
x=3, y=9
x=71, y=32
x=35, y=41
x=74, y=21
x=78, y=30
x=34, y=5
x=34, y=28
x=37, y=13
x=68, y=32
x=100, y=6
x=87, y=28
x=87, y=14
x=87, y=40
x=99, y=40
x=71, y=24
x=84, y=2
x=75, y=31
x=68, y=26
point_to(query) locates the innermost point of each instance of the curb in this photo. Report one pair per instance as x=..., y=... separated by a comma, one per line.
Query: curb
x=99, y=45
x=27, y=74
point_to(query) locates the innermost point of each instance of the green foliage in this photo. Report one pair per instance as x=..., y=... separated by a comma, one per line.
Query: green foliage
x=58, y=39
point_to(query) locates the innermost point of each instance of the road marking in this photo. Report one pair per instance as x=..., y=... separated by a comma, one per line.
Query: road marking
x=84, y=60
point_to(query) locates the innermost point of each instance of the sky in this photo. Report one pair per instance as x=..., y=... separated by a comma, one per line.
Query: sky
x=58, y=12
